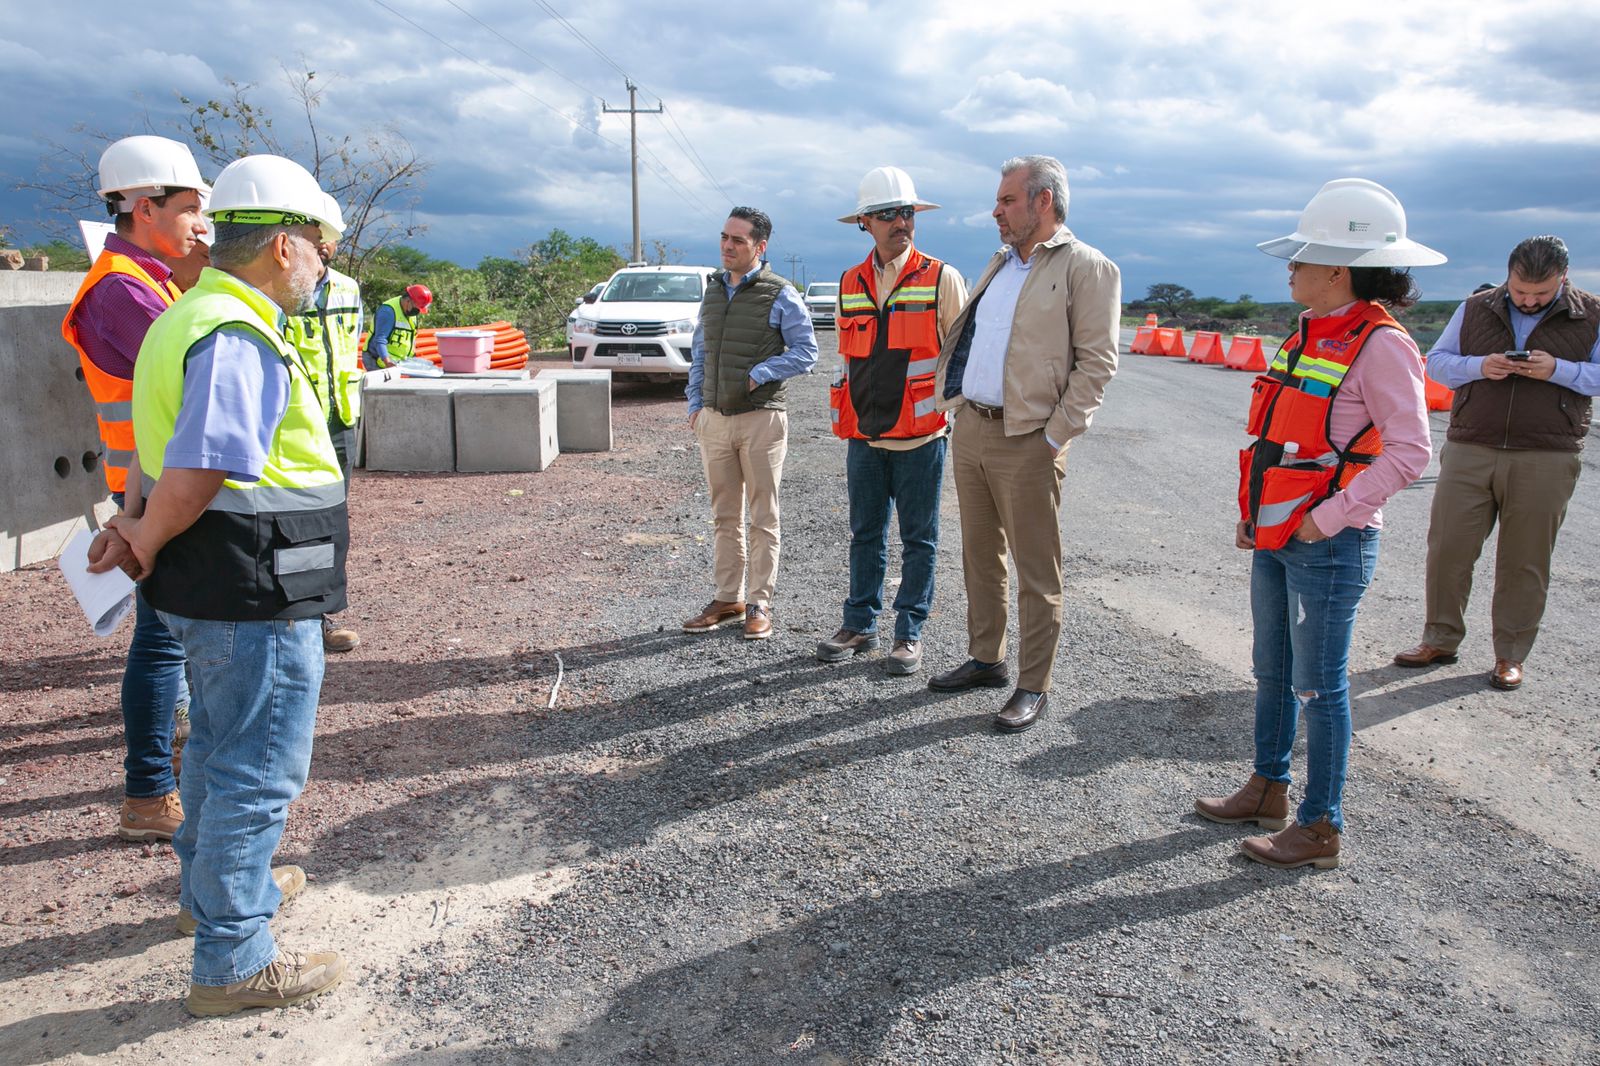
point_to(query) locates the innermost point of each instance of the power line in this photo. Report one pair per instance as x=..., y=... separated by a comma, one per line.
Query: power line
x=543, y=63
x=559, y=17
x=681, y=190
x=688, y=148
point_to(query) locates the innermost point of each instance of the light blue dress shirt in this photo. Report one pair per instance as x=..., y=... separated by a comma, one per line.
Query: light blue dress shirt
x=789, y=317
x=1450, y=368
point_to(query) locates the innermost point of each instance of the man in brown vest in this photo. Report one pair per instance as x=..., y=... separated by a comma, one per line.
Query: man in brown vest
x=1524, y=359
x=754, y=333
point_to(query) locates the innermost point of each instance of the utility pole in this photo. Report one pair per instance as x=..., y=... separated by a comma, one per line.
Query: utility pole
x=633, y=113
x=793, y=261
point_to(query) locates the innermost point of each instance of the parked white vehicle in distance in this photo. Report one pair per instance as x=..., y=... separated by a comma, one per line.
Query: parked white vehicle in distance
x=641, y=324
x=821, y=298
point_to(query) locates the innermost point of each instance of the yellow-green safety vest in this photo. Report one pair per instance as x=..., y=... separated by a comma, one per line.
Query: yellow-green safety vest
x=402, y=340
x=265, y=549
x=329, y=336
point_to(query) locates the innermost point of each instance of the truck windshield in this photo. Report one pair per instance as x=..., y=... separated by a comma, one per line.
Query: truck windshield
x=654, y=287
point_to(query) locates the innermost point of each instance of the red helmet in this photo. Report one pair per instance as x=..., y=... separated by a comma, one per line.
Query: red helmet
x=421, y=296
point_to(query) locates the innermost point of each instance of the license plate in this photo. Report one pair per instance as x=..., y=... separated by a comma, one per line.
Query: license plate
x=629, y=358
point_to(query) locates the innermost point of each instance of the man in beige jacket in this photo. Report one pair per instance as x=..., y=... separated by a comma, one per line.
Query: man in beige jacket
x=1024, y=368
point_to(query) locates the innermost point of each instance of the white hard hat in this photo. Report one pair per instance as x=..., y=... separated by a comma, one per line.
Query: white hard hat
x=334, y=216
x=885, y=187
x=146, y=166
x=1356, y=223
x=268, y=189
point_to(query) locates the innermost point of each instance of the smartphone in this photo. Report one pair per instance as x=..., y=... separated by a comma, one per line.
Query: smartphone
x=1520, y=357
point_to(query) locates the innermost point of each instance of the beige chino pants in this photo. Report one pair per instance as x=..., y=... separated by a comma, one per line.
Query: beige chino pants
x=1009, y=490
x=1526, y=492
x=743, y=457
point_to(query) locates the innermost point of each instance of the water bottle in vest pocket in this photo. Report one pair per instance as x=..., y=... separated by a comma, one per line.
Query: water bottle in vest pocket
x=1287, y=493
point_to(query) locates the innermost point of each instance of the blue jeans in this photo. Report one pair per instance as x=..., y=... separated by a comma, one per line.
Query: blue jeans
x=911, y=481
x=153, y=686
x=1303, y=598
x=255, y=705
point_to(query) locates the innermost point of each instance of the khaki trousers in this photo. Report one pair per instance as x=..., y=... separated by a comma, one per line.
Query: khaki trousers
x=1527, y=493
x=743, y=456
x=1009, y=489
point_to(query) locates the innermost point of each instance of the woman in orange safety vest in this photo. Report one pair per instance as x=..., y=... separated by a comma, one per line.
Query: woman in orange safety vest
x=1340, y=425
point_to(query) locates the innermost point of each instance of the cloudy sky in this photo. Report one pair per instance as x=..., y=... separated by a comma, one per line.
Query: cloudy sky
x=1191, y=130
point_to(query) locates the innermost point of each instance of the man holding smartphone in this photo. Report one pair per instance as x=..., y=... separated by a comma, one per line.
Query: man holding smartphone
x=1524, y=359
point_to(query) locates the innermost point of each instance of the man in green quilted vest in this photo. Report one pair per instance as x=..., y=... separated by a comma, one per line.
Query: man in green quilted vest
x=241, y=550
x=754, y=333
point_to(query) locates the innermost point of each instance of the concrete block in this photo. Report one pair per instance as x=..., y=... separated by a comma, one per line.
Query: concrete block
x=50, y=451
x=583, y=408
x=505, y=425
x=409, y=424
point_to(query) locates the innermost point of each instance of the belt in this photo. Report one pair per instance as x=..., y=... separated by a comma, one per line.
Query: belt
x=983, y=410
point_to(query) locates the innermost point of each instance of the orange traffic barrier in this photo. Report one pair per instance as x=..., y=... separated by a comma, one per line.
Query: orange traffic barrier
x=1150, y=319
x=1439, y=398
x=1143, y=340
x=1169, y=341
x=1245, y=354
x=1207, y=347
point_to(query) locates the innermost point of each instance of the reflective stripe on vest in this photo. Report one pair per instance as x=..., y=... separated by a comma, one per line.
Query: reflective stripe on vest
x=402, y=340
x=1292, y=403
x=270, y=548
x=113, y=396
x=329, y=337
x=873, y=341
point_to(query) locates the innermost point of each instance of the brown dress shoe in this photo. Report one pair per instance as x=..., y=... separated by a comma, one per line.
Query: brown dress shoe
x=1316, y=845
x=1021, y=711
x=845, y=643
x=757, y=622
x=1263, y=802
x=713, y=615
x=1424, y=655
x=1506, y=675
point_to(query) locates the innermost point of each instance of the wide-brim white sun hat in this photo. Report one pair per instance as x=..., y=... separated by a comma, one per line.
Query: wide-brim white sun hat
x=1353, y=222
x=886, y=187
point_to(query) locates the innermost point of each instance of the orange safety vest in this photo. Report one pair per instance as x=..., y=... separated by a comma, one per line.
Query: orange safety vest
x=1292, y=403
x=890, y=350
x=113, y=396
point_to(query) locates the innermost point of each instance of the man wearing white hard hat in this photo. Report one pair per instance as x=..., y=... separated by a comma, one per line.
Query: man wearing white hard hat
x=892, y=310
x=241, y=549
x=328, y=334
x=1024, y=369
x=1340, y=425
x=153, y=189
x=1524, y=359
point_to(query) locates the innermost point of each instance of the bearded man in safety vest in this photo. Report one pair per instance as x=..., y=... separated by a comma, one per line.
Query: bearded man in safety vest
x=394, y=327
x=241, y=549
x=892, y=310
x=328, y=335
x=152, y=188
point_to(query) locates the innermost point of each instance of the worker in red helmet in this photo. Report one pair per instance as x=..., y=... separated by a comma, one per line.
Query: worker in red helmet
x=394, y=333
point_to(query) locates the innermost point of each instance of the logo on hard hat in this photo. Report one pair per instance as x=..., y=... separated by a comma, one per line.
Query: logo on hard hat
x=629, y=328
x=1360, y=227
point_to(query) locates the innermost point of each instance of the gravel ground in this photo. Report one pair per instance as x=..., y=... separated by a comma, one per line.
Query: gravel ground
x=719, y=851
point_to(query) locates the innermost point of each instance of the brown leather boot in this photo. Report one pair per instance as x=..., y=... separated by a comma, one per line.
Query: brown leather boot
x=1263, y=802
x=1316, y=845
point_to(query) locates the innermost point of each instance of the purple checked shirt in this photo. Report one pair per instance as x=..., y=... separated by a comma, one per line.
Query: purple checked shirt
x=114, y=316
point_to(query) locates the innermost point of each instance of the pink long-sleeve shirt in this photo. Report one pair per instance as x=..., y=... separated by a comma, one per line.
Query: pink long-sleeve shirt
x=1385, y=388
